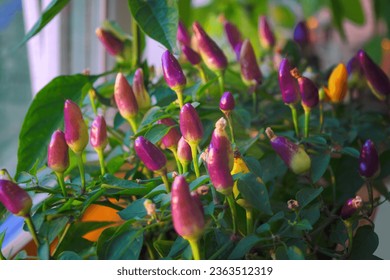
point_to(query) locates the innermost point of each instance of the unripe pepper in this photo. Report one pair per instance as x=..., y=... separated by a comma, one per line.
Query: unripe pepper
x=266, y=36
x=184, y=153
x=153, y=158
x=140, y=92
x=112, y=44
x=182, y=35
x=227, y=103
x=14, y=198
x=76, y=131
x=250, y=71
x=192, y=56
x=190, y=125
x=337, y=84
x=211, y=54
x=58, y=155
x=350, y=207
x=171, y=139
x=376, y=78
x=369, y=166
x=293, y=155
x=98, y=134
x=301, y=34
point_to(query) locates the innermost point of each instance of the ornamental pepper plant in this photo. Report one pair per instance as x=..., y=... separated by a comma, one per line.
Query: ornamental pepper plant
x=199, y=157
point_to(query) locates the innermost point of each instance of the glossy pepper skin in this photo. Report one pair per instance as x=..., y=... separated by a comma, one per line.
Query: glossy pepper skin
x=111, y=43
x=350, y=207
x=182, y=35
x=287, y=83
x=192, y=56
x=266, y=36
x=376, y=78
x=337, y=84
x=58, y=154
x=171, y=139
x=184, y=152
x=140, y=92
x=98, y=134
x=14, y=198
x=308, y=90
x=190, y=125
x=250, y=71
x=173, y=73
x=220, y=141
x=233, y=35
x=187, y=215
x=294, y=156
x=125, y=98
x=227, y=103
x=301, y=34
x=369, y=166
x=210, y=52
x=153, y=158
x=76, y=131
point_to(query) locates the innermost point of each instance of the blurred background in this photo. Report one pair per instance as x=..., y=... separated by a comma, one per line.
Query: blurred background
x=68, y=45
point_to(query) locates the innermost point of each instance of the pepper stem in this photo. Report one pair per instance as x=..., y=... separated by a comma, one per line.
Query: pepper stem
x=164, y=178
x=194, y=147
x=321, y=107
x=249, y=221
x=81, y=169
x=92, y=94
x=233, y=209
x=179, y=93
x=229, y=119
x=178, y=164
x=195, y=249
x=101, y=161
x=221, y=81
x=348, y=226
x=60, y=178
x=136, y=45
x=133, y=124
x=185, y=167
x=202, y=74
x=370, y=196
x=307, y=120
x=294, y=118
x=254, y=101
x=31, y=228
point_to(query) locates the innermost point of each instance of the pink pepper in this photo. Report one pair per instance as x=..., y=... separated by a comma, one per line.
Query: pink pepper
x=76, y=131
x=58, y=155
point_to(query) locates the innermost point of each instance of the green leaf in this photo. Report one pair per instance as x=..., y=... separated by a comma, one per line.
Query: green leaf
x=45, y=115
x=158, y=19
x=178, y=246
x=307, y=195
x=255, y=193
x=115, y=185
x=156, y=132
x=134, y=210
x=163, y=247
x=283, y=16
x=69, y=255
x=294, y=253
x=48, y=14
x=353, y=10
x=254, y=166
x=319, y=164
x=365, y=242
x=199, y=181
x=43, y=250
x=338, y=15
x=2, y=235
x=243, y=247
x=350, y=152
x=303, y=225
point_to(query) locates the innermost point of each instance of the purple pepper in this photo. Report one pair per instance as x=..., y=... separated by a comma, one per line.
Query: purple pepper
x=250, y=71
x=190, y=125
x=288, y=84
x=58, y=155
x=266, y=36
x=294, y=156
x=237, y=50
x=192, y=56
x=184, y=152
x=232, y=33
x=227, y=103
x=98, y=134
x=353, y=66
x=125, y=98
x=211, y=54
x=76, y=131
x=153, y=158
x=376, y=78
x=219, y=170
x=170, y=140
x=140, y=92
x=111, y=43
x=14, y=198
x=350, y=207
x=308, y=90
x=220, y=141
x=196, y=198
x=187, y=217
x=173, y=74
x=182, y=35
x=369, y=166
x=301, y=34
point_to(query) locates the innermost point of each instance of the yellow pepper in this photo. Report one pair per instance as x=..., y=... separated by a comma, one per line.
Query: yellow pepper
x=337, y=84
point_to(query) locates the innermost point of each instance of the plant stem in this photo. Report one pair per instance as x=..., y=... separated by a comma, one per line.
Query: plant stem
x=31, y=228
x=249, y=221
x=185, y=168
x=370, y=196
x=202, y=74
x=92, y=94
x=135, y=47
x=179, y=93
x=221, y=81
x=307, y=121
x=165, y=180
x=254, y=101
x=101, y=161
x=294, y=118
x=321, y=116
x=194, y=147
x=348, y=226
x=195, y=249
x=60, y=178
x=233, y=209
x=178, y=164
x=66, y=229
x=133, y=124
x=229, y=119
x=81, y=169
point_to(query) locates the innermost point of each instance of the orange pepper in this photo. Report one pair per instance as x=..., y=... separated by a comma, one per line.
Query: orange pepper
x=337, y=84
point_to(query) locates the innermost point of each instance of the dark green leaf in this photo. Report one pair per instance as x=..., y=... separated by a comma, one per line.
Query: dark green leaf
x=115, y=185
x=353, y=10
x=158, y=19
x=48, y=14
x=272, y=167
x=134, y=210
x=45, y=115
x=178, y=246
x=69, y=255
x=307, y=195
x=243, y=246
x=338, y=16
x=351, y=152
x=163, y=247
x=254, y=192
x=254, y=166
x=319, y=164
x=43, y=250
x=2, y=235
x=294, y=253
x=303, y=225
x=312, y=213
x=365, y=242
x=198, y=182
x=156, y=132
